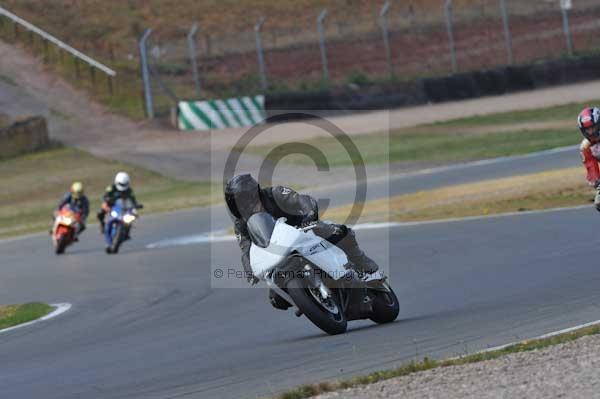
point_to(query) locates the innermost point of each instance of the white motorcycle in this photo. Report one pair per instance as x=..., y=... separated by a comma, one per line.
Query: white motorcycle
x=313, y=275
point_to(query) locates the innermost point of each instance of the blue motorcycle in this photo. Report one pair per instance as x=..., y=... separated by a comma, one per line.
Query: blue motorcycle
x=120, y=221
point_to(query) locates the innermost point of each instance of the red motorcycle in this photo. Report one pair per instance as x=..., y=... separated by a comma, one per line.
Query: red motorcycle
x=66, y=226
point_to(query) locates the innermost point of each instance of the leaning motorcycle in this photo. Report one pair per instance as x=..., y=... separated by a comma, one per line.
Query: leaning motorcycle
x=312, y=274
x=66, y=225
x=121, y=218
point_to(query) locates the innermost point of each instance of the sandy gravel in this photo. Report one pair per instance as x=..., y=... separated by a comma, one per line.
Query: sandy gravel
x=564, y=371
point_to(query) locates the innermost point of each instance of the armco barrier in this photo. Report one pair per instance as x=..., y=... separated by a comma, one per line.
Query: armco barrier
x=439, y=89
x=220, y=114
x=24, y=136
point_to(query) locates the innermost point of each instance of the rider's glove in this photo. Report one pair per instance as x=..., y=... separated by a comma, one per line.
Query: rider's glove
x=309, y=219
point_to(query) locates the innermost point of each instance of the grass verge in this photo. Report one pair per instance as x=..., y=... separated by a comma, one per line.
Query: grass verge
x=566, y=112
x=12, y=315
x=307, y=391
x=477, y=137
x=33, y=184
x=433, y=146
x=557, y=188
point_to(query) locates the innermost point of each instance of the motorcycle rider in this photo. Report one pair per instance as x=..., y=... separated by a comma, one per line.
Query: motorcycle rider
x=120, y=189
x=244, y=197
x=77, y=199
x=588, y=122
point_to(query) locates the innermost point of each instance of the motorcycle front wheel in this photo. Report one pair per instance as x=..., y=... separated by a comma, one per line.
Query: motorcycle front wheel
x=61, y=245
x=325, y=314
x=117, y=239
x=385, y=305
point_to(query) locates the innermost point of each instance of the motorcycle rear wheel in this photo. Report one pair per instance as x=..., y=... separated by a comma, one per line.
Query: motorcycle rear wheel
x=331, y=322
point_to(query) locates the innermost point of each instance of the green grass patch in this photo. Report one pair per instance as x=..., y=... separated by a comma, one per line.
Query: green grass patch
x=33, y=184
x=4, y=121
x=8, y=80
x=438, y=147
x=567, y=112
x=307, y=391
x=12, y=315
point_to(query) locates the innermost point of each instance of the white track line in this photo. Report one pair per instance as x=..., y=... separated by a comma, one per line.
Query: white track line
x=391, y=177
x=490, y=161
x=368, y=226
x=221, y=236
x=449, y=168
x=218, y=236
x=60, y=309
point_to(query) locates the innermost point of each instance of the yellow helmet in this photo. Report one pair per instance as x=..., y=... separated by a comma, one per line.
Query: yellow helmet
x=76, y=189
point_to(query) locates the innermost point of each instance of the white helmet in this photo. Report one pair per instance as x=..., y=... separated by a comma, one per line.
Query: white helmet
x=122, y=181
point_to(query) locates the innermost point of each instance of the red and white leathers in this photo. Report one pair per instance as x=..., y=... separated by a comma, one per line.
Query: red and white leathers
x=590, y=154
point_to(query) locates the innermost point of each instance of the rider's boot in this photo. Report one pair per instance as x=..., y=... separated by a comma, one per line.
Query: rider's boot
x=81, y=230
x=361, y=262
x=100, y=215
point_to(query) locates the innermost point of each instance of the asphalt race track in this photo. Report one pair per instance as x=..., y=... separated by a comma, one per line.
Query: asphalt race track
x=147, y=324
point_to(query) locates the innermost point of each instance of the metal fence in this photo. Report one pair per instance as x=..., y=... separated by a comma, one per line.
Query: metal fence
x=398, y=42
x=14, y=28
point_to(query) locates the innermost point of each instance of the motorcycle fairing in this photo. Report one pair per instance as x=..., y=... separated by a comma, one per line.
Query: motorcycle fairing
x=287, y=239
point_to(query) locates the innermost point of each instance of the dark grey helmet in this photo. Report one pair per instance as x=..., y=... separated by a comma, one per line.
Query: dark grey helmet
x=241, y=194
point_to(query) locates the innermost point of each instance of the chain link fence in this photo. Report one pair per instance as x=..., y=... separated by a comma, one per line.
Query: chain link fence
x=397, y=42
x=389, y=41
x=87, y=71
x=119, y=86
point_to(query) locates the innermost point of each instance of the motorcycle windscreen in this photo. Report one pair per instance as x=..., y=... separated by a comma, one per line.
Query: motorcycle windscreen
x=260, y=228
x=123, y=204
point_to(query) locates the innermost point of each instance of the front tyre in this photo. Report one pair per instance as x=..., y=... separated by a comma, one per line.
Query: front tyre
x=385, y=305
x=117, y=239
x=61, y=245
x=327, y=315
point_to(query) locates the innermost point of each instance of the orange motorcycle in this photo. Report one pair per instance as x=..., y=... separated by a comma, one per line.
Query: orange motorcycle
x=66, y=226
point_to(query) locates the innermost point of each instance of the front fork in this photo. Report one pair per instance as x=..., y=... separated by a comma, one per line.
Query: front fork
x=270, y=279
x=108, y=231
x=314, y=279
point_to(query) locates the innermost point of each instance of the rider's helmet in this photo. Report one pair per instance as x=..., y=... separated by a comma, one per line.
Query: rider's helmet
x=122, y=181
x=76, y=190
x=242, y=194
x=588, y=122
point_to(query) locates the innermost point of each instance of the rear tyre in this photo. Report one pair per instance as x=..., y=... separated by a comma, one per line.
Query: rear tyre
x=331, y=321
x=385, y=305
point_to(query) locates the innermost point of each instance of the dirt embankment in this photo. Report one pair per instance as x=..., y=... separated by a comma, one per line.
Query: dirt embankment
x=24, y=136
x=78, y=121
